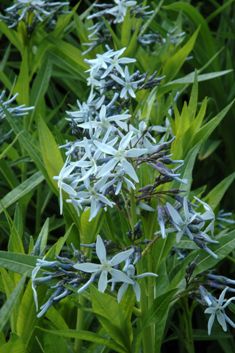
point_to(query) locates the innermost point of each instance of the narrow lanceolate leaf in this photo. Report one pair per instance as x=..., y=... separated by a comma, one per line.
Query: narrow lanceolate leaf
x=8, y=306
x=21, y=190
x=41, y=242
x=225, y=247
x=215, y=195
x=175, y=62
x=203, y=77
x=14, y=345
x=20, y=263
x=206, y=130
x=27, y=142
x=41, y=82
x=50, y=152
x=22, y=83
x=87, y=336
x=119, y=328
x=205, y=33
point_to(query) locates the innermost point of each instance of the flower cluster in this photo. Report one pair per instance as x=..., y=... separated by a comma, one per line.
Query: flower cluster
x=6, y=104
x=114, y=12
x=32, y=12
x=171, y=37
x=216, y=307
x=106, y=159
x=187, y=218
x=65, y=276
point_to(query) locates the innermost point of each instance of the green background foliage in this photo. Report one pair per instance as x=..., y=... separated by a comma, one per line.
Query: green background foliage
x=47, y=69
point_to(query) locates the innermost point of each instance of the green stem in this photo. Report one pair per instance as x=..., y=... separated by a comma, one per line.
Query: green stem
x=79, y=325
x=189, y=344
x=128, y=212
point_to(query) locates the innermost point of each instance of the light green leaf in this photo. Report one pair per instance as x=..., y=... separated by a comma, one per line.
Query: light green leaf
x=14, y=345
x=87, y=336
x=225, y=246
x=8, y=307
x=215, y=195
x=175, y=62
x=51, y=155
x=41, y=242
x=19, y=263
x=206, y=130
x=21, y=190
x=26, y=315
x=22, y=83
x=105, y=307
x=203, y=77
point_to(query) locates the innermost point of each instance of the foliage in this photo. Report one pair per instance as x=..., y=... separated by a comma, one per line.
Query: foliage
x=147, y=73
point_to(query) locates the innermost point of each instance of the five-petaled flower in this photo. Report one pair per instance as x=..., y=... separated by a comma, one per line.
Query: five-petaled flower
x=106, y=266
x=216, y=310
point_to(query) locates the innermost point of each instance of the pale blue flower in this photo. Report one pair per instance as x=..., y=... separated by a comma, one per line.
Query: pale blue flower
x=87, y=110
x=120, y=155
x=91, y=196
x=105, y=122
x=119, y=11
x=128, y=85
x=115, y=62
x=8, y=104
x=129, y=269
x=217, y=310
x=106, y=266
x=41, y=10
x=64, y=174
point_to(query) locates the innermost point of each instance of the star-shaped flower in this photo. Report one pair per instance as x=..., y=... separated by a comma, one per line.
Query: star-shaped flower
x=217, y=310
x=106, y=266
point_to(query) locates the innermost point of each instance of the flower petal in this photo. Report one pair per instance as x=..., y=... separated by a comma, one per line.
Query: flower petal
x=87, y=267
x=137, y=291
x=119, y=276
x=103, y=281
x=210, y=323
x=121, y=291
x=100, y=249
x=122, y=256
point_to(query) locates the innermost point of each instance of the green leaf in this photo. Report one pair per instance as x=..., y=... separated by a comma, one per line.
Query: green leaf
x=205, y=33
x=14, y=345
x=57, y=247
x=12, y=35
x=105, y=307
x=175, y=62
x=188, y=168
x=8, y=307
x=226, y=245
x=27, y=142
x=89, y=229
x=15, y=243
x=19, y=263
x=26, y=315
x=70, y=53
x=21, y=190
x=51, y=155
x=22, y=83
x=208, y=148
x=41, y=242
x=151, y=17
x=54, y=343
x=215, y=195
x=157, y=313
x=200, y=78
x=40, y=84
x=87, y=336
x=56, y=319
x=206, y=130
